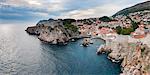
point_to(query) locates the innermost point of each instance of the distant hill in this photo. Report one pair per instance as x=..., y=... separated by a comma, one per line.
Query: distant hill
x=135, y=8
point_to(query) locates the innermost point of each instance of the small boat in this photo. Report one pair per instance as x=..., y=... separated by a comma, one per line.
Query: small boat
x=73, y=40
x=91, y=42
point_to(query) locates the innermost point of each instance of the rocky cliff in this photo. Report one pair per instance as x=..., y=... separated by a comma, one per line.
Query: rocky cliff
x=134, y=57
x=52, y=31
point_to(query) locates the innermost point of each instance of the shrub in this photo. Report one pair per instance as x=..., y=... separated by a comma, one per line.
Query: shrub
x=143, y=49
x=71, y=27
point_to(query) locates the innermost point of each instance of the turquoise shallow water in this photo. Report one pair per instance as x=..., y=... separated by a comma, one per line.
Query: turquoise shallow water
x=23, y=54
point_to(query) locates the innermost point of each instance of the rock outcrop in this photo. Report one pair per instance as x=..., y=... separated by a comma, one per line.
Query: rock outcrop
x=86, y=42
x=31, y=30
x=52, y=31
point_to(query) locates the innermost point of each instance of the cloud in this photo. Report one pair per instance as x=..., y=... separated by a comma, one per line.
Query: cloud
x=28, y=10
x=98, y=11
x=100, y=8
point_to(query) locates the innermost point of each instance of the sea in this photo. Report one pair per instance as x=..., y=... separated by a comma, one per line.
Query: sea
x=24, y=54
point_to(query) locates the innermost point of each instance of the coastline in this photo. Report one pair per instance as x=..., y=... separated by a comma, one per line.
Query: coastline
x=131, y=55
x=126, y=38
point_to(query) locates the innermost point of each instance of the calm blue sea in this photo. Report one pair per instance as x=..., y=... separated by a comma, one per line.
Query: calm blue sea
x=23, y=54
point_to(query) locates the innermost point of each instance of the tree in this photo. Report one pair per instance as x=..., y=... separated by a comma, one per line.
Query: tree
x=127, y=31
x=71, y=27
x=124, y=31
x=134, y=24
x=68, y=21
x=118, y=29
x=105, y=19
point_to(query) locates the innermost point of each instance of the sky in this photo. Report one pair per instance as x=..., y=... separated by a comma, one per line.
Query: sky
x=34, y=10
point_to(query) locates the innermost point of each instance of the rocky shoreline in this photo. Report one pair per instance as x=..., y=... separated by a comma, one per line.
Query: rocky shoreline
x=134, y=57
x=42, y=36
x=52, y=31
